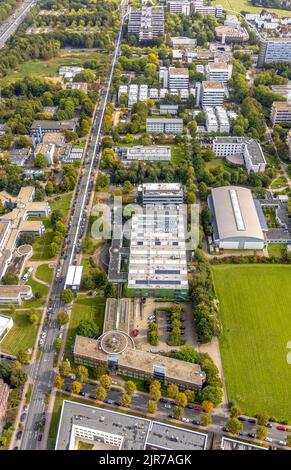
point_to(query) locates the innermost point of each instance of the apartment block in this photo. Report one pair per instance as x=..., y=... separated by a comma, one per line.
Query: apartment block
x=218, y=72
x=274, y=50
x=280, y=112
x=146, y=23
x=212, y=94
x=164, y=126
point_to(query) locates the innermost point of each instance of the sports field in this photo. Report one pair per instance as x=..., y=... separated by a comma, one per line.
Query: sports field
x=255, y=304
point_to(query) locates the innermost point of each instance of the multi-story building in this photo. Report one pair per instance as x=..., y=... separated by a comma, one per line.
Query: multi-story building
x=223, y=121
x=178, y=78
x=152, y=153
x=146, y=23
x=211, y=120
x=161, y=193
x=40, y=127
x=289, y=143
x=212, y=94
x=164, y=126
x=47, y=150
x=274, y=50
x=249, y=149
x=179, y=6
x=231, y=34
x=218, y=72
x=281, y=112
x=214, y=10
x=4, y=395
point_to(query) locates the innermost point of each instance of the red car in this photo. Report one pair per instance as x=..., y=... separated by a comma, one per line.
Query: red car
x=198, y=408
x=281, y=428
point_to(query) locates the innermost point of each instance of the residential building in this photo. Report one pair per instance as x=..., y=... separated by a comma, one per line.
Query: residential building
x=6, y=323
x=4, y=395
x=178, y=78
x=132, y=94
x=109, y=430
x=69, y=72
x=280, y=112
x=164, y=126
x=218, y=72
x=274, y=50
x=146, y=23
x=241, y=150
x=236, y=220
x=47, y=150
x=152, y=153
x=212, y=94
x=161, y=193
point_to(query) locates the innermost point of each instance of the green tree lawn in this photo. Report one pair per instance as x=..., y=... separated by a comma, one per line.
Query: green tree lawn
x=255, y=311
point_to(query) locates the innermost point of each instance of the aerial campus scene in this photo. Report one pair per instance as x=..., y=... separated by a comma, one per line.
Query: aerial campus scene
x=145, y=225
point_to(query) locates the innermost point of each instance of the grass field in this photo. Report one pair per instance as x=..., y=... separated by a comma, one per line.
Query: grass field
x=255, y=311
x=36, y=287
x=49, y=68
x=21, y=336
x=44, y=273
x=85, y=308
x=245, y=5
x=62, y=204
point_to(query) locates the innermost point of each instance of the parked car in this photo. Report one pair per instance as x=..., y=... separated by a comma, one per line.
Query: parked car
x=83, y=394
x=36, y=426
x=18, y=435
x=92, y=397
x=67, y=389
x=282, y=443
x=190, y=406
x=198, y=408
x=281, y=428
x=251, y=435
x=168, y=406
x=242, y=418
x=39, y=437
x=269, y=425
x=252, y=420
x=196, y=421
x=23, y=417
x=117, y=403
x=108, y=401
x=172, y=416
x=269, y=439
x=185, y=420
x=225, y=429
x=163, y=400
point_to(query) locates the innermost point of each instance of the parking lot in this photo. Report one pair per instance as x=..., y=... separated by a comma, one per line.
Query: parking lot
x=148, y=310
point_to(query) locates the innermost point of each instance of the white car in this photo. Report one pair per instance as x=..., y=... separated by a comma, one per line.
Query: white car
x=186, y=420
x=269, y=439
x=282, y=443
x=168, y=406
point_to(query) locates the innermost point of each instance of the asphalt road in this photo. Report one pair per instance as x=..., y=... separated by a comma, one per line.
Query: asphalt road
x=9, y=26
x=42, y=371
x=140, y=401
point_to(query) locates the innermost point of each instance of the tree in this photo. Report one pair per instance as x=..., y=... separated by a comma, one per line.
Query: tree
x=181, y=399
x=105, y=381
x=262, y=418
x=26, y=239
x=59, y=381
x=49, y=188
x=101, y=393
x=178, y=412
x=65, y=369
x=207, y=406
x=100, y=370
x=10, y=279
x=130, y=387
x=206, y=419
x=82, y=373
x=87, y=328
x=127, y=187
x=23, y=356
x=18, y=378
x=126, y=400
x=235, y=411
x=32, y=316
x=172, y=391
x=58, y=344
x=53, y=250
x=234, y=426
x=62, y=318
x=67, y=296
x=76, y=387
x=190, y=395
x=40, y=161
x=152, y=407
x=155, y=390
x=261, y=433
x=212, y=393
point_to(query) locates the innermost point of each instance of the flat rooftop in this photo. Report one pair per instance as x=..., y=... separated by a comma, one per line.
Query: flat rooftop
x=131, y=432
x=137, y=360
x=233, y=444
x=175, y=71
x=148, y=150
x=165, y=120
x=14, y=291
x=282, y=105
x=4, y=322
x=209, y=85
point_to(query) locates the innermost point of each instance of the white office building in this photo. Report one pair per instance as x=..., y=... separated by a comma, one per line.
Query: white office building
x=211, y=120
x=247, y=150
x=152, y=153
x=178, y=78
x=218, y=72
x=223, y=121
x=281, y=112
x=180, y=7
x=212, y=94
x=274, y=50
x=146, y=23
x=161, y=193
x=164, y=126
